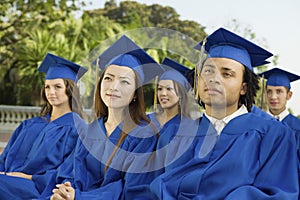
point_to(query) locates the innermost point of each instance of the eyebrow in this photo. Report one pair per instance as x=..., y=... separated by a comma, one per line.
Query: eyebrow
x=109, y=74
x=122, y=77
x=209, y=65
x=55, y=84
x=222, y=68
x=168, y=85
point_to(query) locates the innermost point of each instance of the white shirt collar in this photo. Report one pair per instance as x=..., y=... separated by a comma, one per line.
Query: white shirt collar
x=282, y=115
x=242, y=110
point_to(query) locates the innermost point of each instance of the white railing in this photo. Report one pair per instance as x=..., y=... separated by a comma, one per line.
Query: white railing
x=12, y=116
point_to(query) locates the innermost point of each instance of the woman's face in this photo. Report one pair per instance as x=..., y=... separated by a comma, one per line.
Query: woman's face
x=118, y=86
x=55, y=91
x=166, y=94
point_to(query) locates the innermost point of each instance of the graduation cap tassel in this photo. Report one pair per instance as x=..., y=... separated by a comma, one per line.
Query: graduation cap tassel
x=262, y=92
x=195, y=84
x=198, y=68
x=155, y=93
x=97, y=70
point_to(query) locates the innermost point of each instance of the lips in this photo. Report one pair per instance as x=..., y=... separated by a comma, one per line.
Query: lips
x=113, y=96
x=212, y=90
x=273, y=103
x=51, y=98
x=164, y=100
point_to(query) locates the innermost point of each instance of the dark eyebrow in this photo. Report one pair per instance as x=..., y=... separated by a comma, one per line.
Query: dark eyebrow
x=226, y=69
x=121, y=77
x=109, y=74
x=209, y=65
x=125, y=77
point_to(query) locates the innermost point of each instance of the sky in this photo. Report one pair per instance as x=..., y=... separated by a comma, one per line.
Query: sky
x=276, y=23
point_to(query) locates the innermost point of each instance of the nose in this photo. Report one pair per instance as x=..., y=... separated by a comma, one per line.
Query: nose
x=114, y=85
x=273, y=95
x=51, y=90
x=213, y=78
x=162, y=92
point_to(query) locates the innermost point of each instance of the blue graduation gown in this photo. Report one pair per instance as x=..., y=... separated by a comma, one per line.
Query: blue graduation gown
x=36, y=147
x=121, y=179
x=154, y=121
x=293, y=123
x=261, y=113
x=176, y=136
x=169, y=148
x=253, y=158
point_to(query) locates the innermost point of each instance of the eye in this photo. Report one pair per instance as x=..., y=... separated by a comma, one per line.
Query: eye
x=227, y=74
x=107, y=78
x=207, y=71
x=169, y=88
x=159, y=88
x=47, y=87
x=279, y=91
x=125, y=82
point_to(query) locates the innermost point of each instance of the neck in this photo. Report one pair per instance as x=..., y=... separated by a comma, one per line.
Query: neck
x=277, y=111
x=220, y=112
x=59, y=111
x=168, y=114
x=114, y=118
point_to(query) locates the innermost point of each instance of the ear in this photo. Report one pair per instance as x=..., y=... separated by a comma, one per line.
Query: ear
x=243, y=89
x=289, y=95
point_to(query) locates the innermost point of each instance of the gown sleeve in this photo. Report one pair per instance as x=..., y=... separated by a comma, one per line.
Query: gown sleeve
x=277, y=177
x=8, y=146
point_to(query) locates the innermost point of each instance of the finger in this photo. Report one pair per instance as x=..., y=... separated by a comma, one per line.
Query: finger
x=67, y=184
x=63, y=191
x=55, y=191
x=56, y=197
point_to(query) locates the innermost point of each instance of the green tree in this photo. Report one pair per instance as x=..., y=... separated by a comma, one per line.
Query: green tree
x=18, y=19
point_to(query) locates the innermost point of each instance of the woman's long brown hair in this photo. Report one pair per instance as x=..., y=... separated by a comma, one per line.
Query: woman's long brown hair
x=136, y=111
x=72, y=91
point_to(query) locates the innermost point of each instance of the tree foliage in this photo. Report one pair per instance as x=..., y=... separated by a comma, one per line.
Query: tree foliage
x=29, y=29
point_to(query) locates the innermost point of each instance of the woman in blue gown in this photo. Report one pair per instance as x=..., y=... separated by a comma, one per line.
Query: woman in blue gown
x=110, y=159
x=176, y=110
x=41, y=144
x=236, y=154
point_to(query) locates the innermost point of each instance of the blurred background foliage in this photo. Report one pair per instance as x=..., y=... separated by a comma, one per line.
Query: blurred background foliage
x=31, y=28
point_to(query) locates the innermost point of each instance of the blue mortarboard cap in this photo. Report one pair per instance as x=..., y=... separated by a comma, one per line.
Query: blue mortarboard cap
x=124, y=52
x=225, y=44
x=279, y=77
x=57, y=67
x=175, y=71
x=175, y=65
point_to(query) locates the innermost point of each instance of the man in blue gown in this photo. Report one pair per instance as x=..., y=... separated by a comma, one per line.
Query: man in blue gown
x=278, y=92
x=237, y=154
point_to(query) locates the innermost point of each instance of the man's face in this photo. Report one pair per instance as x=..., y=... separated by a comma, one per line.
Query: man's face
x=221, y=84
x=277, y=97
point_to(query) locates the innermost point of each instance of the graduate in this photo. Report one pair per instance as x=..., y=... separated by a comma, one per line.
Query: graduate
x=173, y=93
x=39, y=145
x=111, y=156
x=238, y=155
x=278, y=92
x=174, y=112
